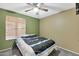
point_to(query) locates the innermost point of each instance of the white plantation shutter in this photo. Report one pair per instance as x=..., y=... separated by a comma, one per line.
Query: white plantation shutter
x=21, y=27
x=14, y=27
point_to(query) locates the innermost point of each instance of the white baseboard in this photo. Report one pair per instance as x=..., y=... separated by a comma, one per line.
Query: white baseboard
x=5, y=49
x=68, y=50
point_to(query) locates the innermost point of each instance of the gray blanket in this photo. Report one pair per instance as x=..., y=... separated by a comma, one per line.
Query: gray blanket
x=43, y=43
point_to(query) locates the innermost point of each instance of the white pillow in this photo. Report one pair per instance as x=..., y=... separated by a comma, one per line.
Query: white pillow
x=28, y=35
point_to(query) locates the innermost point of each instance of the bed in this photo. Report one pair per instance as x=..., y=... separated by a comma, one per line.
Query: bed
x=33, y=45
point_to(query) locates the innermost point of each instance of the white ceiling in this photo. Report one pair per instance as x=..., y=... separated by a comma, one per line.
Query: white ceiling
x=53, y=8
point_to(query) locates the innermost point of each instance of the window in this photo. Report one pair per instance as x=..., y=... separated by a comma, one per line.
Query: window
x=15, y=27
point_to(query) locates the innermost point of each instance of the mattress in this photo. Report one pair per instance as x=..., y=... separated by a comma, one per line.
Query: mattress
x=34, y=46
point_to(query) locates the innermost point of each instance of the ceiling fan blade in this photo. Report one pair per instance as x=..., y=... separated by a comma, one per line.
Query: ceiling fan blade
x=28, y=10
x=44, y=9
x=35, y=4
x=41, y=4
x=29, y=4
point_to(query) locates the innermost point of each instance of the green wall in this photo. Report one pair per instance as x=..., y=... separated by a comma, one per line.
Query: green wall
x=32, y=27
